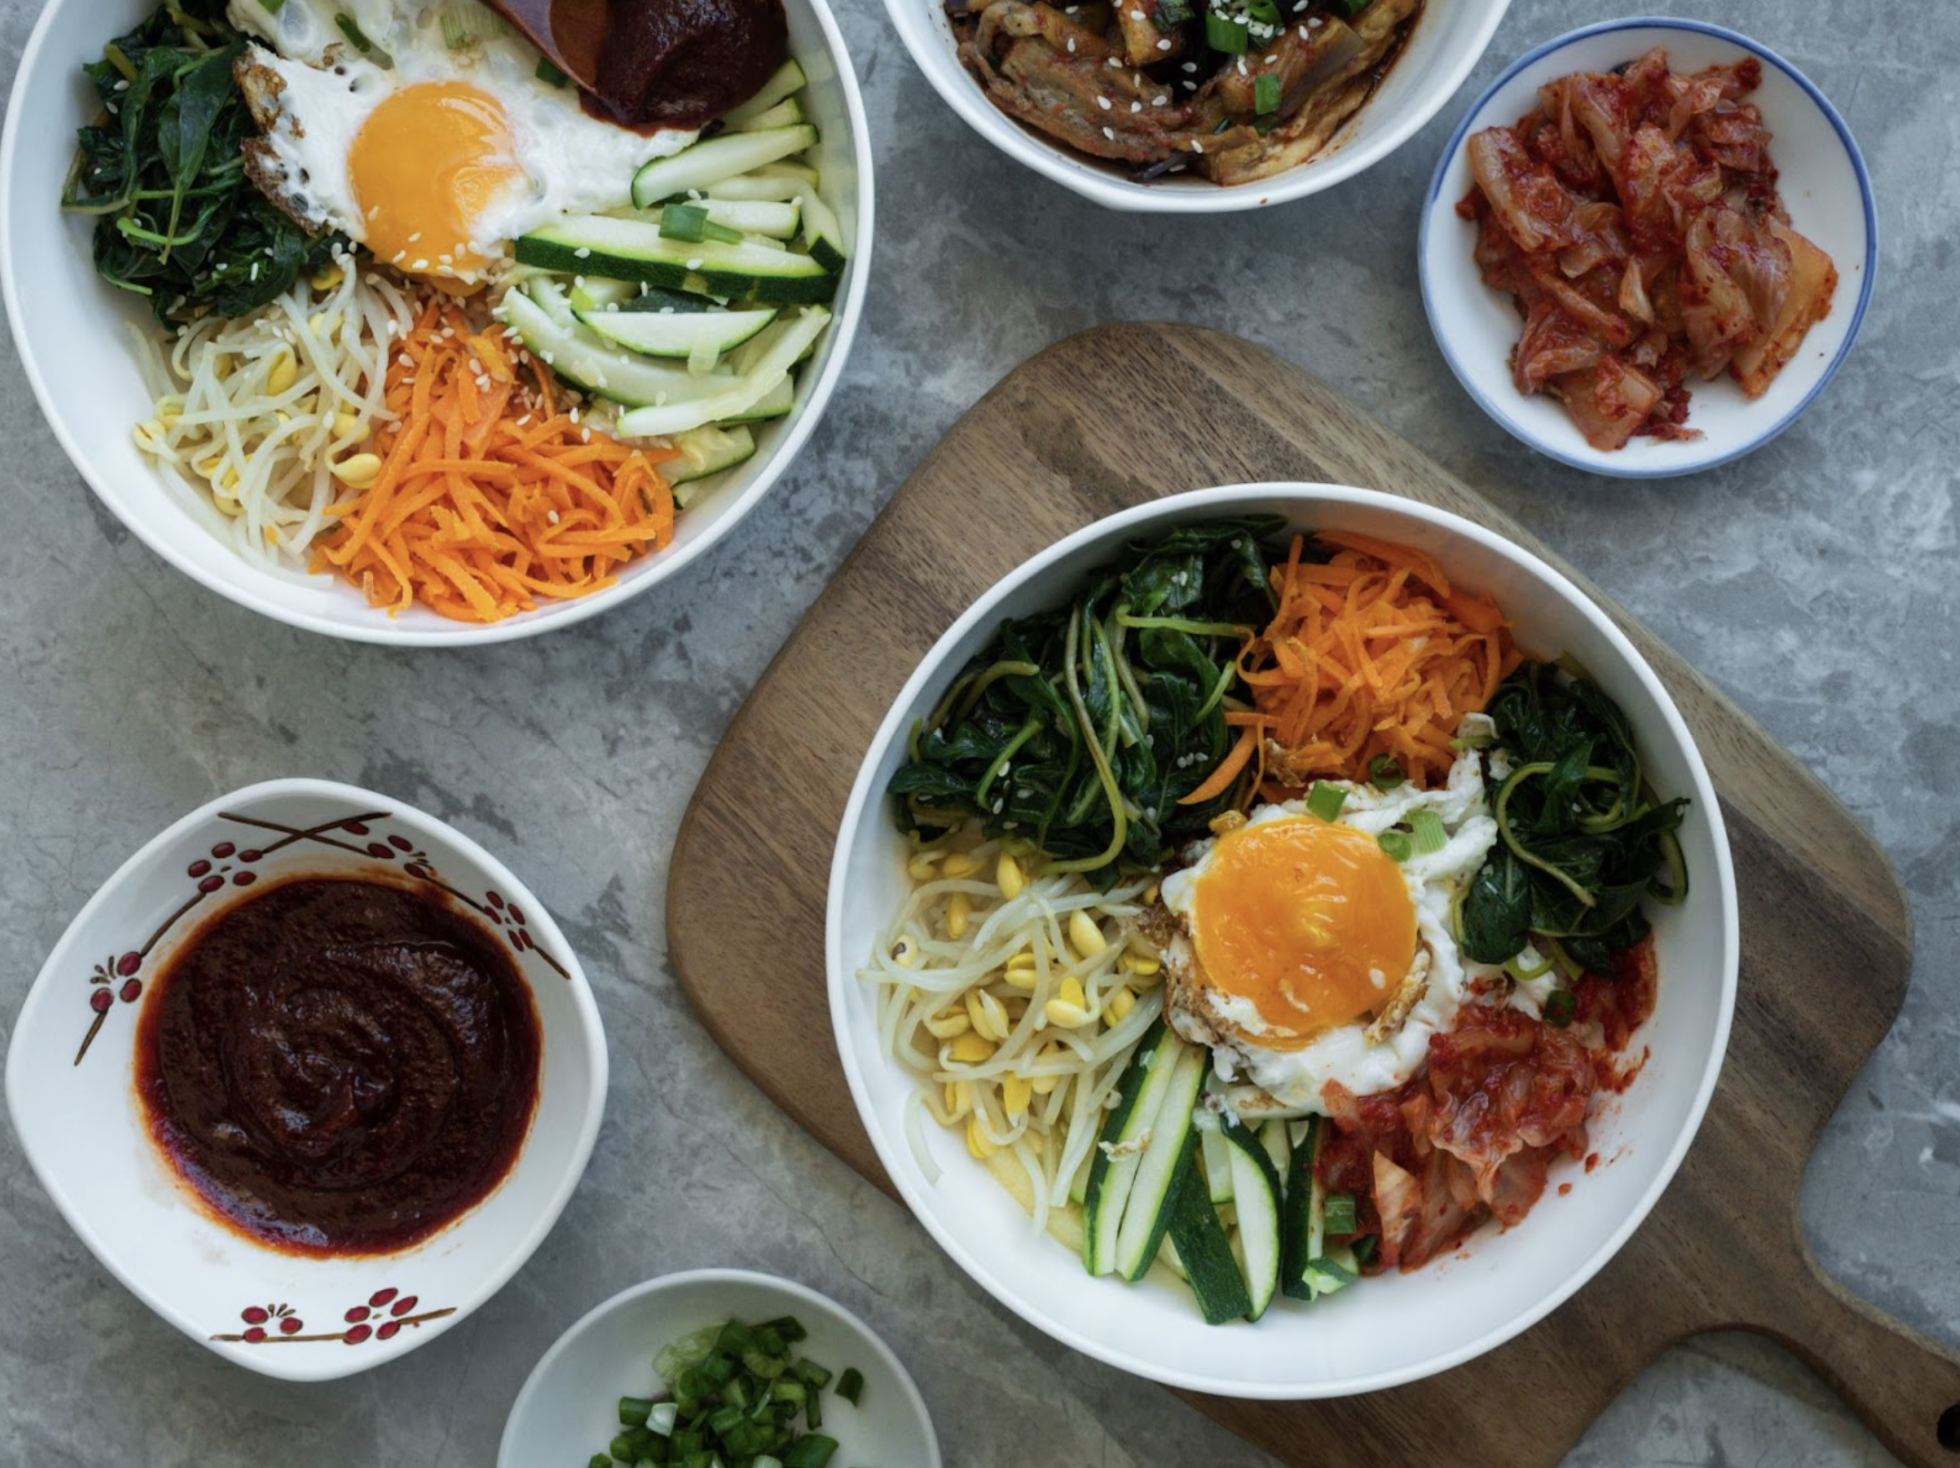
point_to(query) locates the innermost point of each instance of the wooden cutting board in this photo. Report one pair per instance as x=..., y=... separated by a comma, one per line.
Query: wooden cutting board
x=1126, y=413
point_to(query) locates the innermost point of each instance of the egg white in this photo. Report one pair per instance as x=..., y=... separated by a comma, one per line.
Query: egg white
x=1291, y=1081
x=573, y=163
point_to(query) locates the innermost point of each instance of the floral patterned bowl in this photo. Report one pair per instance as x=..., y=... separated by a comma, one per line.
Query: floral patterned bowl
x=71, y=1092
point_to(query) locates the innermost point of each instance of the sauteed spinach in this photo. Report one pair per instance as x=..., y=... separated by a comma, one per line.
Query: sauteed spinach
x=1582, y=839
x=1075, y=732
x=164, y=171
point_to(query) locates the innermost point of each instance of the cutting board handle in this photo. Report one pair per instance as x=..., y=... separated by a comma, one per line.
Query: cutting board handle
x=1905, y=1386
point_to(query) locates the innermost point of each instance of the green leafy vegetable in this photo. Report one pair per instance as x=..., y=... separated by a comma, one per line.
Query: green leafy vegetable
x=1076, y=732
x=164, y=172
x=1582, y=840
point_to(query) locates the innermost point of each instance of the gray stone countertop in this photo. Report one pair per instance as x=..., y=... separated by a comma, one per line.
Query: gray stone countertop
x=1813, y=581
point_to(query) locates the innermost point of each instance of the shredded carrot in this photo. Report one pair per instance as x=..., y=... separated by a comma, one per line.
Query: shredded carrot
x=1372, y=653
x=1220, y=780
x=490, y=495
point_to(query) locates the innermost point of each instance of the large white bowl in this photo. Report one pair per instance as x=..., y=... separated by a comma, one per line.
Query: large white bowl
x=71, y=1091
x=68, y=327
x=568, y=1408
x=1398, y=1327
x=1448, y=38
x=1824, y=185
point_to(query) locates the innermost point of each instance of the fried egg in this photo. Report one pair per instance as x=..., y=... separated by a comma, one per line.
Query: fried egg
x=434, y=157
x=1302, y=952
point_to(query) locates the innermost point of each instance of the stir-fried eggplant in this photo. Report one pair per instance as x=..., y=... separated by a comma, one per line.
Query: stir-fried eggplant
x=1235, y=90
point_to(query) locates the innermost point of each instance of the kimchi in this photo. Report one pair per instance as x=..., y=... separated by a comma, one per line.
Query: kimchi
x=1634, y=218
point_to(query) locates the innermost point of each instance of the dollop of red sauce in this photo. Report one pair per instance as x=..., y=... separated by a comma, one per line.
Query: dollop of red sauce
x=339, y=1065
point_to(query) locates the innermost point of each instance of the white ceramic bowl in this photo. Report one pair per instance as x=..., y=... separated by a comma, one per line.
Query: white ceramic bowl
x=1444, y=46
x=70, y=1089
x=568, y=1408
x=1824, y=186
x=68, y=327
x=1398, y=1327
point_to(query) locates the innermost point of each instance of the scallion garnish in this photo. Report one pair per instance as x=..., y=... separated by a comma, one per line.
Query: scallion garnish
x=1337, y=1213
x=1385, y=772
x=1426, y=831
x=1395, y=844
x=1326, y=800
x=739, y=1396
x=550, y=74
x=690, y=223
x=1225, y=33
x=351, y=28
x=1265, y=92
x=1559, y=1008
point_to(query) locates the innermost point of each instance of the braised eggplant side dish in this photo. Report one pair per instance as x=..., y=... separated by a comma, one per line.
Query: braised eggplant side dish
x=1231, y=90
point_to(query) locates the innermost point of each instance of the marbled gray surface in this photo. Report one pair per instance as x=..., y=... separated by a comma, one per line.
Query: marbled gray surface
x=1813, y=582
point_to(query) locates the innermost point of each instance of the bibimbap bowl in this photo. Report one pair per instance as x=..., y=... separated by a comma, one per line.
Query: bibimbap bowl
x=1394, y=1327
x=73, y=334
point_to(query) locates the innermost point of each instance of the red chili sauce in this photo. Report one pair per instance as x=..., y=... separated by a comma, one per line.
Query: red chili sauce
x=339, y=1066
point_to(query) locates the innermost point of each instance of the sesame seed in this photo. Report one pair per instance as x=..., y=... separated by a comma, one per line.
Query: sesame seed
x=1071, y=45
x=1136, y=107
x=694, y=265
x=1110, y=133
x=1190, y=66
x=583, y=252
x=1165, y=44
x=1196, y=146
x=1103, y=102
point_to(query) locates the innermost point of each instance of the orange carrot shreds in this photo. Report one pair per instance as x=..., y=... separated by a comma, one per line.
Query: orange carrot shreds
x=491, y=494
x=1371, y=653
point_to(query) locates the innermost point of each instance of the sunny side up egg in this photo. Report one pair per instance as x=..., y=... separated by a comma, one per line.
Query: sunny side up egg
x=434, y=157
x=1301, y=952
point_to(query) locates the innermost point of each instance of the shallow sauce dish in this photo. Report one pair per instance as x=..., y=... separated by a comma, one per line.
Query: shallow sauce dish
x=567, y=1409
x=1399, y=1327
x=73, y=1100
x=1824, y=186
x=71, y=330
x=1447, y=39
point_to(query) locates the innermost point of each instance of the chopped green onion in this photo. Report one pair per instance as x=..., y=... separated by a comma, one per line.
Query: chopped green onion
x=1515, y=967
x=1337, y=1213
x=683, y=222
x=787, y=1326
x=350, y=28
x=1365, y=1247
x=1170, y=14
x=1334, y=1270
x=634, y=1411
x=1426, y=827
x=1395, y=844
x=1348, y=9
x=807, y=1371
x=1559, y=1008
x=597, y=1460
x=850, y=1386
x=1326, y=800
x=271, y=7
x=1223, y=33
x=1385, y=772
x=810, y=1452
x=662, y=1418
x=550, y=74
x=1265, y=92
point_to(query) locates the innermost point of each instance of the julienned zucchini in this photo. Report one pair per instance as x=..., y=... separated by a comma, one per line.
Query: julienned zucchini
x=631, y=249
x=1118, y=1151
x=1165, y=1157
x=677, y=333
x=1308, y=1267
x=738, y=394
x=710, y=449
x=1203, y=1252
x=544, y=322
x=785, y=82
x=1256, y=1198
x=700, y=166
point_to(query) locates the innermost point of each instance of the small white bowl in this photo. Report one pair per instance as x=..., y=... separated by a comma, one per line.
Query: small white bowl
x=71, y=1091
x=69, y=329
x=568, y=1407
x=1824, y=185
x=1394, y=1328
x=1448, y=38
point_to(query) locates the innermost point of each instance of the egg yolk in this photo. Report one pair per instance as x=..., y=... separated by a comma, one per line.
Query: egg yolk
x=424, y=166
x=1310, y=922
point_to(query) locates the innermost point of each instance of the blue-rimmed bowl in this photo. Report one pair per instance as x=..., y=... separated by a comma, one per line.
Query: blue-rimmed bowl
x=1824, y=186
